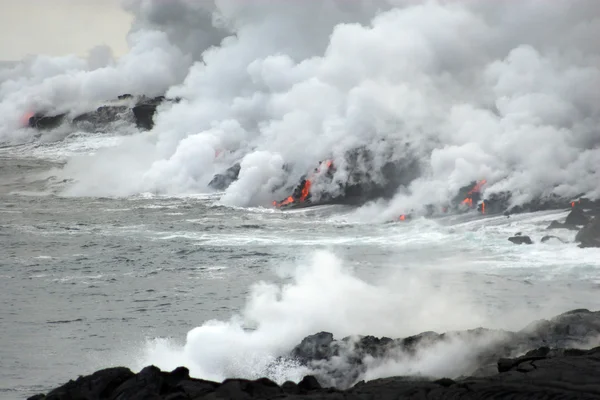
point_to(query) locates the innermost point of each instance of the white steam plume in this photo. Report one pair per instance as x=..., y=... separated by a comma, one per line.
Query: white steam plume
x=323, y=295
x=504, y=91
x=55, y=85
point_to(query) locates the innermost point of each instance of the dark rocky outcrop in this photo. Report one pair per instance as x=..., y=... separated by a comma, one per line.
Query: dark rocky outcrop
x=102, y=116
x=144, y=111
x=546, y=359
x=42, y=121
x=366, y=178
x=576, y=218
x=589, y=235
x=542, y=373
x=560, y=225
x=141, y=113
x=499, y=203
x=577, y=328
x=222, y=181
x=520, y=239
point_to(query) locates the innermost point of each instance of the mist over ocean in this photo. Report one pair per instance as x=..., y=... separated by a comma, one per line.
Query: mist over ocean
x=116, y=251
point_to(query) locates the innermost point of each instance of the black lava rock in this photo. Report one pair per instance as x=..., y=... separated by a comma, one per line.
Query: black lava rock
x=520, y=239
x=589, y=235
x=534, y=363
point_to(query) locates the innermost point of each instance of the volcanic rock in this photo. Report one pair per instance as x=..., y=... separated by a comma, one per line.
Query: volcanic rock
x=589, y=235
x=144, y=115
x=540, y=374
x=544, y=360
x=222, y=181
x=101, y=117
x=577, y=217
x=518, y=239
x=145, y=109
x=560, y=225
x=42, y=122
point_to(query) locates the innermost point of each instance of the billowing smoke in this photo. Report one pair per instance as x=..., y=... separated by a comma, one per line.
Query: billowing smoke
x=505, y=91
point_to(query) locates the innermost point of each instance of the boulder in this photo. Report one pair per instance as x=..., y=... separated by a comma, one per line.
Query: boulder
x=518, y=239
x=589, y=235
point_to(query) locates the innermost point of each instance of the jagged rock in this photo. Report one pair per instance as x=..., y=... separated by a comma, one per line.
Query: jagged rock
x=145, y=109
x=581, y=211
x=518, y=239
x=540, y=374
x=308, y=383
x=539, y=361
x=589, y=235
x=314, y=347
x=577, y=217
x=222, y=181
x=142, y=113
x=560, y=225
x=101, y=117
x=574, y=328
x=43, y=122
x=100, y=384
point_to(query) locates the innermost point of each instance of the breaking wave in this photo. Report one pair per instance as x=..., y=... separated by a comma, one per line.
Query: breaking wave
x=505, y=91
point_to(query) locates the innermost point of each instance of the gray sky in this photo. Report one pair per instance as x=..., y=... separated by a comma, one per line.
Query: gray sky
x=58, y=27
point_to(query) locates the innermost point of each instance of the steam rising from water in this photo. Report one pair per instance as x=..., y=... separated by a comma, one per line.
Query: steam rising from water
x=505, y=91
x=322, y=295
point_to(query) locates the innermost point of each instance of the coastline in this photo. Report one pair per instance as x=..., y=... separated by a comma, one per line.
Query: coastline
x=548, y=358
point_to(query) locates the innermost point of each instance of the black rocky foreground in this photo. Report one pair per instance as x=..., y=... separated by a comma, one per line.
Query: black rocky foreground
x=543, y=361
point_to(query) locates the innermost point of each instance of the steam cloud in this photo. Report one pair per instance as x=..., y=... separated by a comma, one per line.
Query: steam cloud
x=505, y=91
x=322, y=295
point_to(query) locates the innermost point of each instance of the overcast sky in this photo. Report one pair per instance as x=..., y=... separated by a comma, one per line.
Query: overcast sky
x=58, y=27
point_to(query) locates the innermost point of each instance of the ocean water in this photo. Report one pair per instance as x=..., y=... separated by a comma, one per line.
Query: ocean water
x=114, y=252
x=92, y=282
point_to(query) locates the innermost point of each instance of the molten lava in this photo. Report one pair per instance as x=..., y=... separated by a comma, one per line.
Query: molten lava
x=305, y=190
x=25, y=118
x=475, y=191
x=302, y=192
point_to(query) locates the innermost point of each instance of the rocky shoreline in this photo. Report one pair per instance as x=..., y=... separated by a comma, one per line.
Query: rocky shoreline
x=556, y=358
x=583, y=218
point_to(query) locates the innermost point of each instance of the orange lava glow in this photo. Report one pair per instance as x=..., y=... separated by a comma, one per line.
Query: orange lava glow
x=25, y=118
x=305, y=192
